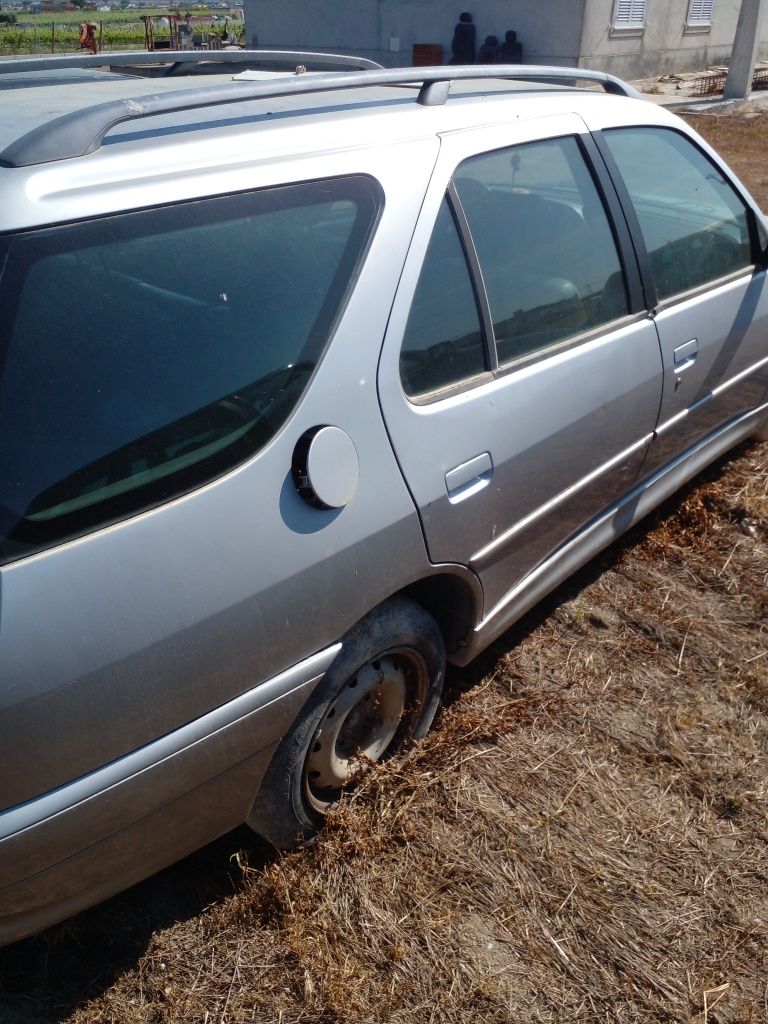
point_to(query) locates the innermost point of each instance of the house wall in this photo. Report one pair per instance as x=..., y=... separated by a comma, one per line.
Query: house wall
x=566, y=32
x=549, y=30
x=666, y=44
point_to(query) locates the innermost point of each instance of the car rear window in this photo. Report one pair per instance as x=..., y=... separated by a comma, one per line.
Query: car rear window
x=144, y=354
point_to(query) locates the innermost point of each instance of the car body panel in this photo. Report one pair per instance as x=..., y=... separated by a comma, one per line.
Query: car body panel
x=728, y=372
x=40, y=833
x=574, y=425
x=714, y=340
x=120, y=859
x=608, y=526
x=149, y=668
x=123, y=635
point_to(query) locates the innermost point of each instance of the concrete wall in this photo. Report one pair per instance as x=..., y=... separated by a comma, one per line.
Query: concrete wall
x=666, y=45
x=549, y=30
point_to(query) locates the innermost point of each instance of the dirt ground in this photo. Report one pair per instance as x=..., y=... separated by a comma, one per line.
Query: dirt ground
x=584, y=836
x=743, y=141
x=696, y=85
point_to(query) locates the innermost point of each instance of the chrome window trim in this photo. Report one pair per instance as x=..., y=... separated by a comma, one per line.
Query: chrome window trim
x=703, y=289
x=523, y=362
x=566, y=344
x=451, y=390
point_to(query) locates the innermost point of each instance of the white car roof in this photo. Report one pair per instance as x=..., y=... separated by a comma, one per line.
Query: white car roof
x=192, y=142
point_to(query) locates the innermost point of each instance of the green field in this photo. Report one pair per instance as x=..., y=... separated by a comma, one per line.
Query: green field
x=118, y=30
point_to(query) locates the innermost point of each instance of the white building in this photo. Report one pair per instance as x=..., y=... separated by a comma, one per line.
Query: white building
x=630, y=38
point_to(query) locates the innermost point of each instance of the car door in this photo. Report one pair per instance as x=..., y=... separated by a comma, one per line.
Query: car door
x=698, y=238
x=520, y=377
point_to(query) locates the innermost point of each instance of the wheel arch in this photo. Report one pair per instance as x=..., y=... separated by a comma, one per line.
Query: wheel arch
x=453, y=597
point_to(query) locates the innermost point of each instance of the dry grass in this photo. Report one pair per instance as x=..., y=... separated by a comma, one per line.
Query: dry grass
x=743, y=140
x=584, y=837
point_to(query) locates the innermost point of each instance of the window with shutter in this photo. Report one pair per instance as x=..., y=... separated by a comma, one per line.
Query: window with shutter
x=700, y=12
x=629, y=14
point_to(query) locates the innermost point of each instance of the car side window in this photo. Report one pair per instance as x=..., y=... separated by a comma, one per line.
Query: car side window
x=144, y=354
x=443, y=342
x=549, y=261
x=695, y=226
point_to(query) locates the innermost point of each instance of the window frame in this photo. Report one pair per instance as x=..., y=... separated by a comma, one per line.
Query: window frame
x=622, y=236
x=703, y=21
x=616, y=222
x=638, y=239
x=475, y=277
x=629, y=23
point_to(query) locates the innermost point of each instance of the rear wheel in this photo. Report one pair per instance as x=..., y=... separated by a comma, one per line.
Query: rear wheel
x=381, y=692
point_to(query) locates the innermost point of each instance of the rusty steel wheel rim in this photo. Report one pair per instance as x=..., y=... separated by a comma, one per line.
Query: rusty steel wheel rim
x=372, y=715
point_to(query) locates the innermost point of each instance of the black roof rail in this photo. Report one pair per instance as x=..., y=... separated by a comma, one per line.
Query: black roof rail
x=181, y=61
x=81, y=132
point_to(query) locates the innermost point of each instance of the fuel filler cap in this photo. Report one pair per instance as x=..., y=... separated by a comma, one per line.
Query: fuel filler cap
x=325, y=467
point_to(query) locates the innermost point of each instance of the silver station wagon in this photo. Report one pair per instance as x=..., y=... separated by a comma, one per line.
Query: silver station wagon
x=309, y=381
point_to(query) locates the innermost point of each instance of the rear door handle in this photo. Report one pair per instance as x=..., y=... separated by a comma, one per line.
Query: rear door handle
x=685, y=355
x=470, y=477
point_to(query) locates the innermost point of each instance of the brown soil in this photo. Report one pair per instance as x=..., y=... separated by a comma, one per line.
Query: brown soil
x=743, y=141
x=584, y=836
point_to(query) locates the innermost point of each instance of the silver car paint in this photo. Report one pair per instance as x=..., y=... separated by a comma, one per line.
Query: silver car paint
x=609, y=526
x=136, y=633
x=179, y=609
x=73, y=820
x=576, y=421
x=727, y=373
x=729, y=323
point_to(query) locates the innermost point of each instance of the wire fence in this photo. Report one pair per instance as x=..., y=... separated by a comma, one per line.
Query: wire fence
x=713, y=83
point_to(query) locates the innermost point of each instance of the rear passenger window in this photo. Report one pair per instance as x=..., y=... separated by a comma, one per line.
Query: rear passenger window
x=144, y=354
x=443, y=343
x=546, y=249
x=696, y=228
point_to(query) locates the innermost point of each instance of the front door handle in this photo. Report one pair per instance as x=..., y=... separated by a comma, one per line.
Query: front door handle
x=470, y=477
x=685, y=355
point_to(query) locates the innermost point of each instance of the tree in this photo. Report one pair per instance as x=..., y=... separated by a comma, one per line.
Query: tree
x=744, y=53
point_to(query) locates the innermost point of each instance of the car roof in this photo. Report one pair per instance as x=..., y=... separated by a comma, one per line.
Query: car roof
x=79, y=87
x=280, y=116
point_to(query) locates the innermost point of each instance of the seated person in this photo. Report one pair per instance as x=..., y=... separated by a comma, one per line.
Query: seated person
x=510, y=51
x=487, y=52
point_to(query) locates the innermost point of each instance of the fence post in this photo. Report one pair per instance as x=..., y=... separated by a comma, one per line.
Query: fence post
x=101, y=34
x=53, y=37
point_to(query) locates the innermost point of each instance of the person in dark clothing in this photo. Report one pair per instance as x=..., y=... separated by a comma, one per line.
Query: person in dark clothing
x=463, y=43
x=487, y=52
x=510, y=51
